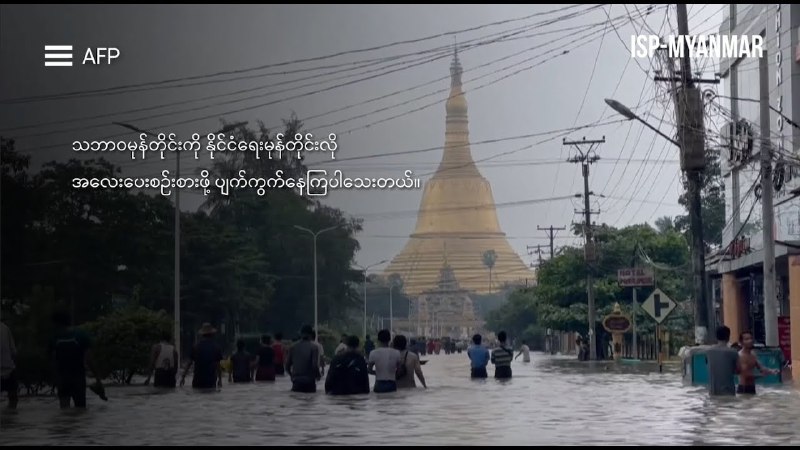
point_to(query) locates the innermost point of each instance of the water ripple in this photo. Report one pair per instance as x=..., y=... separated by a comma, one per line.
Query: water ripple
x=553, y=401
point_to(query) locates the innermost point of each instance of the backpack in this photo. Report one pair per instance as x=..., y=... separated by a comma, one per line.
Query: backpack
x=344, y=374
x=402, y=371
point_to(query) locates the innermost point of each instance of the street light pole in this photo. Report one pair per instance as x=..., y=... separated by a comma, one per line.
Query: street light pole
x=693, y=188
x=365, y=269
x=314, y=235
x=628, y=114
x=177, y=263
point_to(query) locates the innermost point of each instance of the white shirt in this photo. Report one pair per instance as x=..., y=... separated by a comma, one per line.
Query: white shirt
x=386, y=361
x=166, y=357
x=526, y=353
x=341, y=348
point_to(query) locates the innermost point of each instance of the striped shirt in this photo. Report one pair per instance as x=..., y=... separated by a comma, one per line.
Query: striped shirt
x=501, y=357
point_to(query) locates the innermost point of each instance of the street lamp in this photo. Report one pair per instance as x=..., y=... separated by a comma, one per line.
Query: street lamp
x=314, y=235
x=177, y=276
x=694, y=208
x=365, y=269
x=628, y=114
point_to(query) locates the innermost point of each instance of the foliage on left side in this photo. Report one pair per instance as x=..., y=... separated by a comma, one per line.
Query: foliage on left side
x=121, y=341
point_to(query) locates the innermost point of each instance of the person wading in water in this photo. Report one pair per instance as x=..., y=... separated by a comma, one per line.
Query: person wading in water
x=478, y=357
x=8, y=372
x=369, y=346
x=280, y=354
x=525, y=352
x=409, y=365
x=71, y=351
x=206, y=358
x=501, y=358
x=347, y=372
x=723, y=364
x=748, y=363
x=302, y=363
x=241, y=365
x=164, y=363
x=385, y=361
x=265, y=360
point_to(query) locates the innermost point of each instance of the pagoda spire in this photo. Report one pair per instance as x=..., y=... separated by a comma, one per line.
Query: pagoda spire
x=457, y=220
x=457, y=159
x=455, y=67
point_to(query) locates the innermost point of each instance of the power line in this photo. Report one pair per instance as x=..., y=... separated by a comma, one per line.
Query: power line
x=427, y=95
x=280, y=100
x=439, y=53
x=291, y=62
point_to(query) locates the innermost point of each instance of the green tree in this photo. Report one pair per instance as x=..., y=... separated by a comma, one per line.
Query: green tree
x=285, y=253
x=243, y=262
x=665, y=224
x=712, y=198
x=489, y=258
x=559, y=302
x=77, y=240
x=121, y=341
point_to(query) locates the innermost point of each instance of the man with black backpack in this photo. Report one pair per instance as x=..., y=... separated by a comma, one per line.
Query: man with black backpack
x=347, y=373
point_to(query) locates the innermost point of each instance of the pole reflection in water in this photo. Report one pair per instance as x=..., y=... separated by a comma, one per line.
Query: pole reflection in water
x=553, y=401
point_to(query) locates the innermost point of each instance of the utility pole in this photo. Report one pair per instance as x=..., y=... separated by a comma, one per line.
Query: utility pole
x=177, y=255
x=537, y=251
x=587, y=158
x=691, y=132
x=767, y=211
x=551, y=233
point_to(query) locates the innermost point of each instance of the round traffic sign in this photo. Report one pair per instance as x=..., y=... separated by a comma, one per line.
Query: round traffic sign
x=617, y=323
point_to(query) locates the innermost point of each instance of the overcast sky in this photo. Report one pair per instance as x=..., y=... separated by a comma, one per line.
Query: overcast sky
x=525, y=85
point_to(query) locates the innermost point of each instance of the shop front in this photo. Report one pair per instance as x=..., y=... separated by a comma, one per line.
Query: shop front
x=739, y=275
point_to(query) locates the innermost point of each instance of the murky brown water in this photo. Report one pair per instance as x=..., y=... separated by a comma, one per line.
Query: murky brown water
x=551, y=401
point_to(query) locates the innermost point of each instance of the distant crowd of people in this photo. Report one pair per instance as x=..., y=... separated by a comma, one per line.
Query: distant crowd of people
x=392, y=363
x=395, y=362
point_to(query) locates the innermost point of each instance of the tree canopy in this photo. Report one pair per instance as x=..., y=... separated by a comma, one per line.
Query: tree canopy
x=243, y=262
x=559, y=302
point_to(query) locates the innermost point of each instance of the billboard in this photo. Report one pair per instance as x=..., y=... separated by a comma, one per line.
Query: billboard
x=635, y=277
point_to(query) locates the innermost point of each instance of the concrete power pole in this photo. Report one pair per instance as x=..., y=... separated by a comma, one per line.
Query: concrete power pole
x=767, y=212
x=689, y=112
x=587, y=158
x=551, y=233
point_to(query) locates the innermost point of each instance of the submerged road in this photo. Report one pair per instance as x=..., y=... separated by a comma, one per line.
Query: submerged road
x=551, y=401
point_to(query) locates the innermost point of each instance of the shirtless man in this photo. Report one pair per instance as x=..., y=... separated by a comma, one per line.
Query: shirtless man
x=748, y=362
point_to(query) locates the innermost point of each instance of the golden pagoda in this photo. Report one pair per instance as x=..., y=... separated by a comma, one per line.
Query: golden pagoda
x=457, y=220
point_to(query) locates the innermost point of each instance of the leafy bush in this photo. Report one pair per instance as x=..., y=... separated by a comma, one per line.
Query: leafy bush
x=121, y=341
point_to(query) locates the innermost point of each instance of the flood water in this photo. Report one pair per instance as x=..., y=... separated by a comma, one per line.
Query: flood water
x=551, y=401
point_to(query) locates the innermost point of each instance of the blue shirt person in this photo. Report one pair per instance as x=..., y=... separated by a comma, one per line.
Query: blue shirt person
x=479, y=357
